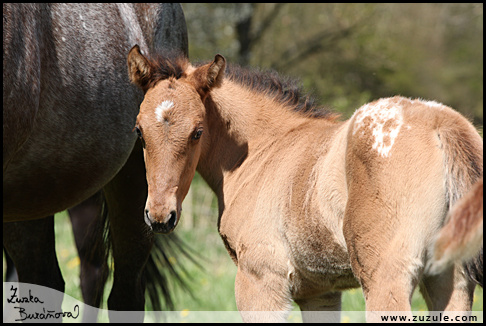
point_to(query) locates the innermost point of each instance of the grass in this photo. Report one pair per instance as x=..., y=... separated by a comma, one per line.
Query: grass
x=213, y=287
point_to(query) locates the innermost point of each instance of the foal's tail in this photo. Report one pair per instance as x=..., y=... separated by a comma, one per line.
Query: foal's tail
x=461, y=238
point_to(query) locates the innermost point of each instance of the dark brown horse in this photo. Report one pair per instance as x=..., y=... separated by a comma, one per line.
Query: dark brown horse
x=309, y=205
x=68, y=115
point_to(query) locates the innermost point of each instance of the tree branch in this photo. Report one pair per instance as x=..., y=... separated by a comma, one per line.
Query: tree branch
x=312, y=45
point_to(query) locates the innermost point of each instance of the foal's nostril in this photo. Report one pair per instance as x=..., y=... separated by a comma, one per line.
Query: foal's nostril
x=147, y=219
x=165, y=226
x=172, y=220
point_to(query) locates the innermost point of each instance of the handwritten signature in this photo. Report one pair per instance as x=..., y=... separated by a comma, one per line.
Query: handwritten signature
x=44, y=315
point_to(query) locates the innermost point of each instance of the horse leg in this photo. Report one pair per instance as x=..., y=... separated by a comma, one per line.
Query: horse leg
x=386, y=255
x=31, y=245
x=312, y=309
x=395, y=206
x=92, y=275
x=388, y=291
x=261, y=299
x=10, y=272
x=448, y=291
x=131, y=237
x=387, y=263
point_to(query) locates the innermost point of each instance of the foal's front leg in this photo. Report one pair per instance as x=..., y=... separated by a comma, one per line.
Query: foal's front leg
x=326, y=308
x=262, y=298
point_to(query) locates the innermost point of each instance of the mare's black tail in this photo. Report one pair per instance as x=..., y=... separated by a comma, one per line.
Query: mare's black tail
x=164, y=267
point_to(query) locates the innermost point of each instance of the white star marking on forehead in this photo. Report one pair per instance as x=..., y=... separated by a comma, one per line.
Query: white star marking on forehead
x=159, y=110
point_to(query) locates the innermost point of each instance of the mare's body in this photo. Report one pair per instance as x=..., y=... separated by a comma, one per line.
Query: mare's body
x=68, y=115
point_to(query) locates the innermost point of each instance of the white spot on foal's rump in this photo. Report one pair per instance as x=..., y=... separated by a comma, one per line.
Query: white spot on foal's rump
x=163, y=107
x=384, y=118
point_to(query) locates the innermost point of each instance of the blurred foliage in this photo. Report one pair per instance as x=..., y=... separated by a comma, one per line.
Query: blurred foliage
x=349, y=54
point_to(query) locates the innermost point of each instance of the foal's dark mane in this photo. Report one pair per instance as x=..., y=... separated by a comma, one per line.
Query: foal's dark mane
x=283, y=89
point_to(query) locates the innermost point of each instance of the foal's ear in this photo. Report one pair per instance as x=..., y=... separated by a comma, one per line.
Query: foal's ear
x=139, y=68
x=216, y=71
x=210, y=75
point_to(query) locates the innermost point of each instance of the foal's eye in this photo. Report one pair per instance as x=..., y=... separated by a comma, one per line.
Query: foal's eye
x=197, y=134
x=139, y=134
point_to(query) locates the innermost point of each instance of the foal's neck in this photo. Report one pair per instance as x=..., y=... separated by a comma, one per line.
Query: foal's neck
x=240, y=121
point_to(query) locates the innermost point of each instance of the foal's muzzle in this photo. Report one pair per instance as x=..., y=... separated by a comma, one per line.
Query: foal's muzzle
x=166, y=226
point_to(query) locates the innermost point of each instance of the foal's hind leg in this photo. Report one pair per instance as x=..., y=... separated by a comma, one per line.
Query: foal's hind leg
x=396, y=203
x=448, y=291
x=386, y=243
x=385, y=252
x=132, y=240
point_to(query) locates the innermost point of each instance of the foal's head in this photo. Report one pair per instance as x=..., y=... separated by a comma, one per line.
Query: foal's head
x=172, y=127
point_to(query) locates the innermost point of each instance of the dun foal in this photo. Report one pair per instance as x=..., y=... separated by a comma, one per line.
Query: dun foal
x=309, y=206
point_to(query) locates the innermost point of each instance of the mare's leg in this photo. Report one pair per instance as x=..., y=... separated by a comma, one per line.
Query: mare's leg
x=31, y=245
x=132, y=239
x=326, y=308
x=262, y=298
x=90, y=250
x=448, y=291
x=10, y=272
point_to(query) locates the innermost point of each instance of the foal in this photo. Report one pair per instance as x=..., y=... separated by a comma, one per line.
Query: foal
x=308, y=206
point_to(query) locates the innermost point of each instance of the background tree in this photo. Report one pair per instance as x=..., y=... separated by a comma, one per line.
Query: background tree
x=349, y=54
